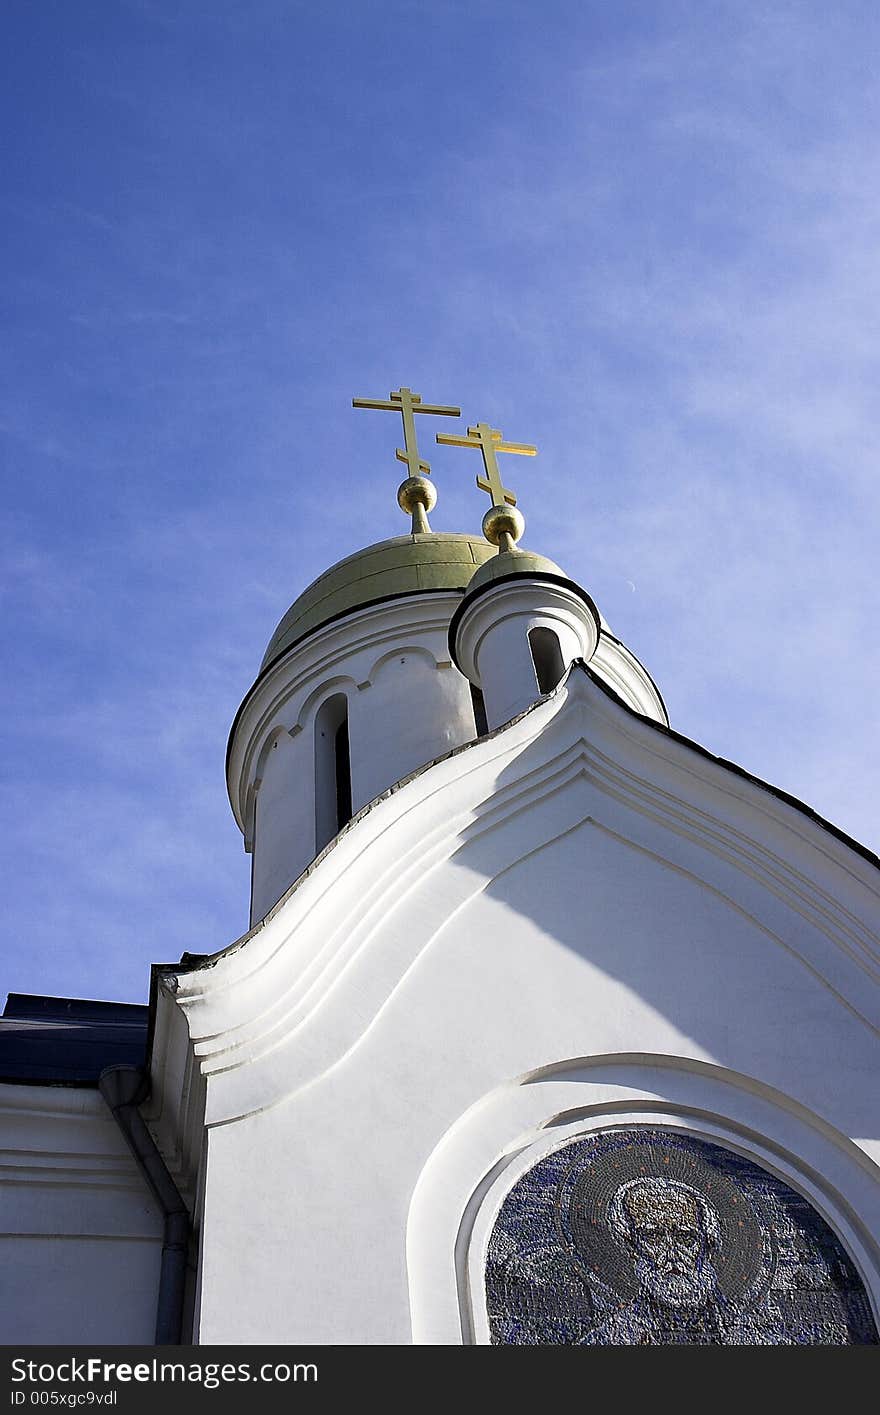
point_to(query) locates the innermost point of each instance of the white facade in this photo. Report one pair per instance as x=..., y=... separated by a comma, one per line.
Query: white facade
x=80, y=1234
x=574, y=924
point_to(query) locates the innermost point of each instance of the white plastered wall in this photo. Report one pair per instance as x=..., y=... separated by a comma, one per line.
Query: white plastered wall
x=80, y=1234
x=579, y=886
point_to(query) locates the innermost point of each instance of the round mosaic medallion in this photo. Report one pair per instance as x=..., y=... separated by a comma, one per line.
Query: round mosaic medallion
x=648, y=1236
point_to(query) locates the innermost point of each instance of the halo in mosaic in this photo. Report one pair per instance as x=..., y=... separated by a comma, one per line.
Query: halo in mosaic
x=652, y=1237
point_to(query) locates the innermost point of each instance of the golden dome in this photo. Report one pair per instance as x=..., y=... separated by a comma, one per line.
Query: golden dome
x=400, y=566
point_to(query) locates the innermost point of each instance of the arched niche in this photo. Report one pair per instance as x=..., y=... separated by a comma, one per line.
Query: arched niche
x=505, y=1138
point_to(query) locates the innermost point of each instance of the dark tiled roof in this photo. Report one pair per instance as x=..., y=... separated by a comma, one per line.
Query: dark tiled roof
x=68, y=1041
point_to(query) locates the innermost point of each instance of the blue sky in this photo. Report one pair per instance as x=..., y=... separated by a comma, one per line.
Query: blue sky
x=642, y=234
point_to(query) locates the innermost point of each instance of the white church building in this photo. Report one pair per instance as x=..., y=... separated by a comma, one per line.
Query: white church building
x=550, y=1028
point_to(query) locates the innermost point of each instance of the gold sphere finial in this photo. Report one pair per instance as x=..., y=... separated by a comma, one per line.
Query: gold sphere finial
x=417, y=496
x=503, y=526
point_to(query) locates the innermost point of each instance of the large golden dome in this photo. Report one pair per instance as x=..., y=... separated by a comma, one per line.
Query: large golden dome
x=402, y=565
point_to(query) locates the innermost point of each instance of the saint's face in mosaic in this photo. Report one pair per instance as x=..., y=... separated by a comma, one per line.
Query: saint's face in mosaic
x=672, y=1232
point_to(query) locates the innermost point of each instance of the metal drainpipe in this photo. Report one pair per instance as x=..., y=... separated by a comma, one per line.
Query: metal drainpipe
x=124, y=1088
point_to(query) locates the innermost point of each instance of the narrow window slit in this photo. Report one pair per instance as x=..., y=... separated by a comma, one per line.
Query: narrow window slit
x=547, y=658
x=343, y=774
x=332, y=770
x=480, y=719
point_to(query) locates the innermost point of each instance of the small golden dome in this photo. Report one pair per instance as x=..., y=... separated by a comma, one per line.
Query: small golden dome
x=513, y=562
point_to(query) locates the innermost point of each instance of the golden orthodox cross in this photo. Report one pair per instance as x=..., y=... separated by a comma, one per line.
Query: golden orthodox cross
x=489, y=440
x=407, y=403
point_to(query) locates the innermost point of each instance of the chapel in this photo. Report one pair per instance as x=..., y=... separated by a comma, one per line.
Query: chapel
x=549, y=1028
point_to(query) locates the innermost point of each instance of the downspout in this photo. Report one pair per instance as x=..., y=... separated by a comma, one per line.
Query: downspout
x=124, y=1088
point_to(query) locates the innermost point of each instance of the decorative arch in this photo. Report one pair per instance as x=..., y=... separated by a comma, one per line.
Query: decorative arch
x=273, y=738
x=341, y=683
x=506, y=1138
x=250, y=807
x=311, y=706
x=402, y=651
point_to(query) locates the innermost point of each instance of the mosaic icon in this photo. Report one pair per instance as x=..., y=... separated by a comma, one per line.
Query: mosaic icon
x=652, y=1237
